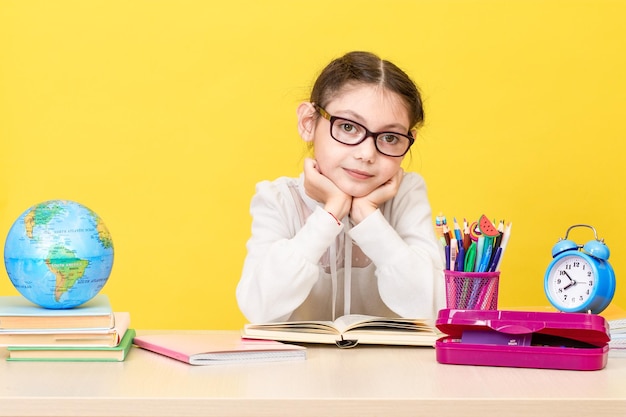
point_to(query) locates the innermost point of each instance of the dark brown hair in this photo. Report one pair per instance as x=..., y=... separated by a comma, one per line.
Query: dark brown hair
x=367, y=68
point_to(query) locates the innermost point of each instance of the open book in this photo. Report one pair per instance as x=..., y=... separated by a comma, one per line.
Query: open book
x=348, y=331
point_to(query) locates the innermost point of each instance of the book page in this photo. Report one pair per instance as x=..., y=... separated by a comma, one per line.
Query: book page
x=321, y=327
x=372, y=323
x=345, y=323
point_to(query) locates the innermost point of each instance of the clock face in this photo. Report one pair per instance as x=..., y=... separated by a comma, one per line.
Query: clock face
x=571, y=281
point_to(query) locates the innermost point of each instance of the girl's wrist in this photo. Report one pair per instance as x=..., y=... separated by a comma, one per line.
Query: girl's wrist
x=358, y=212
x=339, y=209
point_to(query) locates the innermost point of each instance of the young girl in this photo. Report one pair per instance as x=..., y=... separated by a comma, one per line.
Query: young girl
x=353, y=234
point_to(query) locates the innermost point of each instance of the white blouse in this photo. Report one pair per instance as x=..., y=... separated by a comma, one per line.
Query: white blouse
x=302, y=265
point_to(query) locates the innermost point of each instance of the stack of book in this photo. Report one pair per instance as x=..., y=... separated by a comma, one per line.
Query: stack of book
x=616, y=316
x=90, y=332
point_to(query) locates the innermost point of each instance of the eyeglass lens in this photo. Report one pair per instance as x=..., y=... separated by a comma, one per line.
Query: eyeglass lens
x=352, y=133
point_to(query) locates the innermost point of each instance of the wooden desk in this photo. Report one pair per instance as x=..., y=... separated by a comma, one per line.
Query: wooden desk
x=364, y=381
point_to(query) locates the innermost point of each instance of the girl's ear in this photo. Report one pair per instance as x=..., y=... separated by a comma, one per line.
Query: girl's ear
x=306, y=121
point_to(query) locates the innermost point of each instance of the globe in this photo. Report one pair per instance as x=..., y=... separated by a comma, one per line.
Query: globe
x=58, y=254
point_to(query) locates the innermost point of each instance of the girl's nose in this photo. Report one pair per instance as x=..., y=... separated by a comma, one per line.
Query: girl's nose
x=366, y=150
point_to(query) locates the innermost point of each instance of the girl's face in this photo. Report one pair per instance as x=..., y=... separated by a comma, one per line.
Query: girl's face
x=359, y=169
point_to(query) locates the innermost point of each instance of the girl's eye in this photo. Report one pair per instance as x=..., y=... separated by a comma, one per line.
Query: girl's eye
x=389, y=139
x=348, y=127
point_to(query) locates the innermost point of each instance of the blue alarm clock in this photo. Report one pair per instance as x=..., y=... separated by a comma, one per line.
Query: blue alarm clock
x=580, y=279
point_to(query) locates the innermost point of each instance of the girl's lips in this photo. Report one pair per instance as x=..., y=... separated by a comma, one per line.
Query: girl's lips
x=358, y=174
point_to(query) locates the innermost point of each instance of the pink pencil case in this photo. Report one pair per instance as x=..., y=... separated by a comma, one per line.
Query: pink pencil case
x=523, y=339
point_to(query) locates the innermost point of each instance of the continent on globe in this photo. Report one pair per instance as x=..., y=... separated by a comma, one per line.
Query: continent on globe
x=66, y=267
x=58, y=254
x=40, y=215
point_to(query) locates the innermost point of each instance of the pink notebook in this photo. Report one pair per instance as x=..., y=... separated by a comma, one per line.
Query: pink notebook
x=218, y=348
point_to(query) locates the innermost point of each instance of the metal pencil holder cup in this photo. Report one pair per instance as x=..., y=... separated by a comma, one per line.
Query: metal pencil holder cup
x=472, y=290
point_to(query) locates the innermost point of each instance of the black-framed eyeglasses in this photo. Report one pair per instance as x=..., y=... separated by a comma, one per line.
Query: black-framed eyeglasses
x=349, y=132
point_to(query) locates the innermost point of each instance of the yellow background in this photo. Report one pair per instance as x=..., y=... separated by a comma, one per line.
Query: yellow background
x=161, y=116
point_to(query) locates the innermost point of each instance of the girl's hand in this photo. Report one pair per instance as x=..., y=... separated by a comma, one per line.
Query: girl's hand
x=366, y=205
x=320, y=188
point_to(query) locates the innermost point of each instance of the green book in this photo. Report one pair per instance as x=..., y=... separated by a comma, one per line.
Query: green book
x=73, y=354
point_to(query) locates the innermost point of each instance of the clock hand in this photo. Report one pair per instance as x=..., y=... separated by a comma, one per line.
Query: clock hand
x=567, y=275
x=571, y=281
